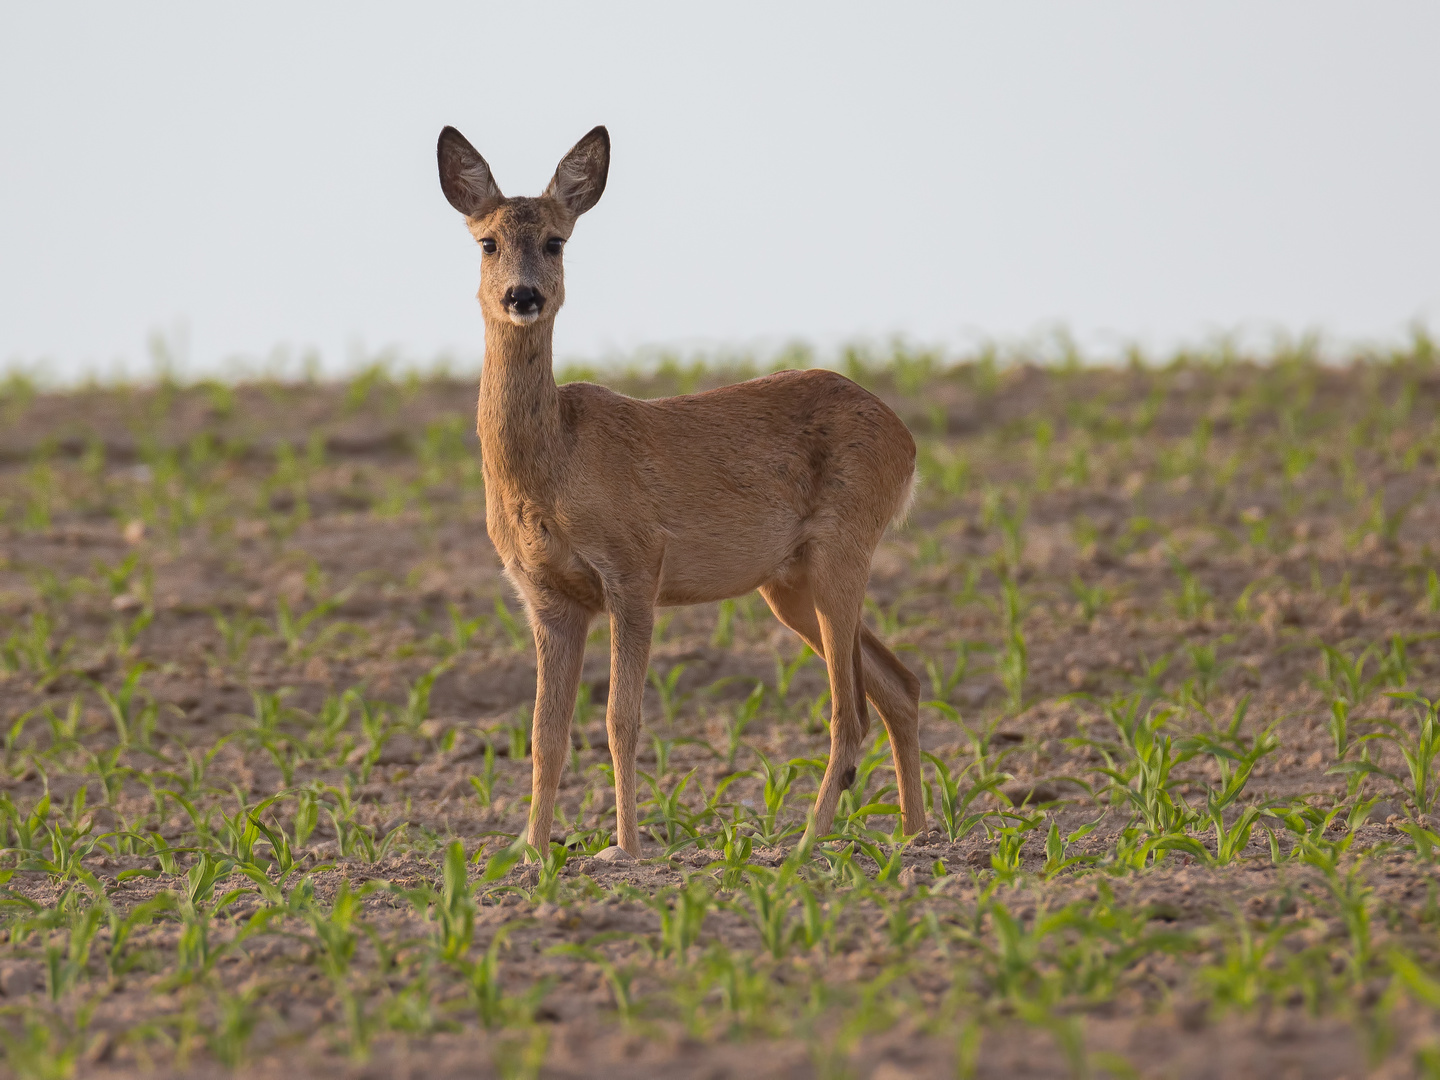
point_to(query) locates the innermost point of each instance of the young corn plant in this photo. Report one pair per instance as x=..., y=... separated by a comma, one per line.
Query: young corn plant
x=670, y=822
x=944, y=680
x=785, y=672
x=33, y=649
x=955, y=800
x=667, y=689
x=516, y=634
x=1236, y=761
x=682, y=914
x=1009, y=840
x=741, y=717
x=1140, y=766
x=778, y=780
x=1058, y=858
x=1090, y=598
x=1419, y=749
x=1014, y=669
x=484, y=783
x=132, y=710
x=293, y=627
x=1192, y=600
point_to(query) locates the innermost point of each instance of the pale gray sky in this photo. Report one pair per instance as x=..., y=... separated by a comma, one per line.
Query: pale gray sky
x=264, y=174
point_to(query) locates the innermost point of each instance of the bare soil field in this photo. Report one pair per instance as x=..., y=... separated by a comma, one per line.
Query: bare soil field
x=265, y=700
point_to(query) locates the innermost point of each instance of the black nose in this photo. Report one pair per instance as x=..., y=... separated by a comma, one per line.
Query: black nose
x=523, y=300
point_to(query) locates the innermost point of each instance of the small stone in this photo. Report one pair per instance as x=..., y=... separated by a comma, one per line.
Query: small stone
x=1031, y=794
x=18, y=978
x=908, y=877
x=888, y=1070
x=974, y=696
x=614, y=853
x=1347, y=618
x=1192, y=1015
x=1382, y=812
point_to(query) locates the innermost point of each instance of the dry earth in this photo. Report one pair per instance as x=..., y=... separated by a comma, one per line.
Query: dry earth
x=296, y=583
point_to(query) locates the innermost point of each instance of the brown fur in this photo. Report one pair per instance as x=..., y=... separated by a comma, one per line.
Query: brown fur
x=601, y=503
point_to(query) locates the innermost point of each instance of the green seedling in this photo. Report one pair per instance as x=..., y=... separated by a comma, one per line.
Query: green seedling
x=1419, y=749
x=238, y=1016
x=518, y=730
x=736, y=848
x=1010, y=843
x=1091, y=598
x=43, y=1051
x=33, y=650
x=292, y=627
x=1249, y=971
x=954, y=799
x=484, y=784
x=515, y=633
x=1014, y=669
x=1011, y=521
x=785, y=672
x=1140, y=767
x=676, y=824
x=741, y=717
x=1207, y=668
x=682, y=914
x=620, y=979
x=462, y=633
x=724, y=634
x=671, y=700
x=132, y=710
x=943, y=681
x=768, y=906
x=1193, y=599
x=1057, y=848
x=416, y=709
x=1343, y=675
x=778, y=780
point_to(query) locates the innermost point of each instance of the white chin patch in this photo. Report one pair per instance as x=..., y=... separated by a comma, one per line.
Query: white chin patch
x=523, y=320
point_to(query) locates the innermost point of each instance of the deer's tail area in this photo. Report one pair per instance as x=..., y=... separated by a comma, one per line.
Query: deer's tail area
x=907, y=503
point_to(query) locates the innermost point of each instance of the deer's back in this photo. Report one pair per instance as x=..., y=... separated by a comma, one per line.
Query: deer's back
x=735, y=482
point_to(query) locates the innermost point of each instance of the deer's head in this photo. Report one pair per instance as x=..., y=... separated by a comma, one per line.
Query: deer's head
x=522, y=240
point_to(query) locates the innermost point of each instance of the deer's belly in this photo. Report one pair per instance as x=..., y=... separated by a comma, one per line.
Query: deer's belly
x=699, y=573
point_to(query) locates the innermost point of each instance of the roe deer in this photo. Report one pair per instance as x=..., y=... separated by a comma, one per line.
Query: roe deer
x=597, y=502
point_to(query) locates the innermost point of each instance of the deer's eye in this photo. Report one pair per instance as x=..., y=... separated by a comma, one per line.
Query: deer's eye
x=554, y=245
x=487, y=245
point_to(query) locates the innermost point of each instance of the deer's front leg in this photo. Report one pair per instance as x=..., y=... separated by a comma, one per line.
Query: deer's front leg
x=559, y=651
x=630, y=628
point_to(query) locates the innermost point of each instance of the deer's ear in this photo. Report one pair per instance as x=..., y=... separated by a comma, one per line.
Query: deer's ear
x=579, y=179
x=464, y=176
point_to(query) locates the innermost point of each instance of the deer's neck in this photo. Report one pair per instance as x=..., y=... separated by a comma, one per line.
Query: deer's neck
x=518, y=419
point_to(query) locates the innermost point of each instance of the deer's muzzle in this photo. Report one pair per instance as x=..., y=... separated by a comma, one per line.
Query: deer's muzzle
x=523, y=300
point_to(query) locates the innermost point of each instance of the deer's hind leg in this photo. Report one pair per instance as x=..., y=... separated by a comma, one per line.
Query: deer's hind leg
x=838, y=592
x=890, y=686
x=895, y=692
